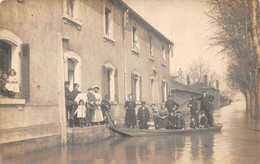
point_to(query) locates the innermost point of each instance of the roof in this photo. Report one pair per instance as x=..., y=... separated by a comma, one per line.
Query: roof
x=176, y=86
x=143, y=20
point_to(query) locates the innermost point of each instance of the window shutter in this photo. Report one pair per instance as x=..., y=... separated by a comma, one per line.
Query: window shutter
x=25, y=71
x=162, y=92
x=167, y=89
x=116, y=85
x=140, y=87
x=104, y=81
x=133, y=86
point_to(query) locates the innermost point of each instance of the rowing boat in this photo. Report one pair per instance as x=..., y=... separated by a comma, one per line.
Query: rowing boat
x=126, y=132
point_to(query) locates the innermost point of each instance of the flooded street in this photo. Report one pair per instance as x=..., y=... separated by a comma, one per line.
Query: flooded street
x=235, y=144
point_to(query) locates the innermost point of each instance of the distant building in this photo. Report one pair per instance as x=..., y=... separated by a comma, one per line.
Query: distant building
x=88, y=42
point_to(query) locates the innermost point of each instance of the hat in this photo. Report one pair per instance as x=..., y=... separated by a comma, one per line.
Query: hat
x=76, y=84
x=67, y=83
x=143, y=102
x=90, y=89
x=95, y=86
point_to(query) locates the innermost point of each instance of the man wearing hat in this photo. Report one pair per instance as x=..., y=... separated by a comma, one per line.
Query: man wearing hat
x=206, y=106
x=179, y=121
x=68, y=102
x=90, y=106
x=194, y=111
x=143, y=116
x=170, y=104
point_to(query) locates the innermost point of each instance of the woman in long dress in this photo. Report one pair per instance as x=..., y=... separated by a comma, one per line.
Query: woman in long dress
x=163, y=117
x=97, y=117
x=130, y=115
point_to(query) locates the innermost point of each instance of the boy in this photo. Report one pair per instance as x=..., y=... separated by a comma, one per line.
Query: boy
x=171, y=123
x=143, y=116
x=179, y=120
x=156, y=120
x=204, y=121
x=192, y=123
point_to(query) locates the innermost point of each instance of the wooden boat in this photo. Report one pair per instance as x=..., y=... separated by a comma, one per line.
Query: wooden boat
x=125, y=132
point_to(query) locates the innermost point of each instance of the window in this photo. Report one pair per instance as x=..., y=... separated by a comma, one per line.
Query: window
x=72, y=8
x=164, y=90
x=136, y=86
x=109, y=82
x=163, y=54
x=107, y=20
x=152, y=81
x=5, y=56
x=71, y=13
x=72, y=68
x=135, y=39
x=151, y=54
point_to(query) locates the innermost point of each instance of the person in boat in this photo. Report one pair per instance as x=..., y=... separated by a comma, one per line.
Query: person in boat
x=171, y=123
x=74, y=94
x=179, y=120
x=143, y=116
x=170, y=104
x=97, y=116
x=192, y=123
x=130, y=116
x=152, y=111
x=156, y=120
x=194, y=109
x=163, y=117
x=105, y=106
x=90, y=106
x=207, y=106
x=69, y=103
x=204, y=121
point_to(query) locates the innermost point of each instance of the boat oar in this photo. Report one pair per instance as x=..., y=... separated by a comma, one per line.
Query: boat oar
x=110, y=118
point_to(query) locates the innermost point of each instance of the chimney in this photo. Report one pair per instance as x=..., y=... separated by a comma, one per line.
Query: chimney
x=217, y=84
x=206, y=80
x=188, y=81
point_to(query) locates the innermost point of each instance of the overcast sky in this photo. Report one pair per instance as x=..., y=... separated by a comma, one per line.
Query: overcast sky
x=185, y=23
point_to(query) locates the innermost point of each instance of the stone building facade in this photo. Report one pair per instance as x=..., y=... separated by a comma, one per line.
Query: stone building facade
x=89, y=42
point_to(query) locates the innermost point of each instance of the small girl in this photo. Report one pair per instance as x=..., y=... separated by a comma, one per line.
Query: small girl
x=12, y=83
x=81, y=110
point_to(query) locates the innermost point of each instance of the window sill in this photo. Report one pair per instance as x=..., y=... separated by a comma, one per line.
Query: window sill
x=73, y=21
x=164, y=64
x=135, y=51
x=9, y=101
x=109, y=39
x=151, y=58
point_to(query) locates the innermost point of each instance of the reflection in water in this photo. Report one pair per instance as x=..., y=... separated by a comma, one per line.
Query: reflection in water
x=235, y=144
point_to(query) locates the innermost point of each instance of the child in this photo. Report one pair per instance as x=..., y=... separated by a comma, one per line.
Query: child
x=171, y=124
x=81, y=110
x=12, y=84
x=156, y=120
x=204, y=121
x=192, y=123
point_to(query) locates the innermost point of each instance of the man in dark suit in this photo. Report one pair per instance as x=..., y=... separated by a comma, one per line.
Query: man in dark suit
x=207, y=106
x=143, y=116
x=69, y=102
x=170, y=104
x=194, y=110
x=90, y=106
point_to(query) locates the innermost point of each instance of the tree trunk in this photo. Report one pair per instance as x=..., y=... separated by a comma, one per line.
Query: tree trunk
x=248, y=100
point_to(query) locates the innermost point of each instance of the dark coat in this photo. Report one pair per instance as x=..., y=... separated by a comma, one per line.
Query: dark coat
x=170, y=104
x=192, y=124
x=68, y=98
x=130, y=116
x=206, y=103
x=143, y=117
x=172, y=122
x=193, y=107
x=75, y=93
x=91, y=100
x=180, y=122
x=204, y=122
x=105, y=106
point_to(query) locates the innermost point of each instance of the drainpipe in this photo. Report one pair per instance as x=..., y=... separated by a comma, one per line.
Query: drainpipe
x=125, y=21
x=61, y=91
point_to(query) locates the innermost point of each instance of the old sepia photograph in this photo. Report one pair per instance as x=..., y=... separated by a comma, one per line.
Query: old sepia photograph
x=129, y=81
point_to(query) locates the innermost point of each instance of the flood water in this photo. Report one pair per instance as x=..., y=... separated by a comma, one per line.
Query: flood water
x=237, y=143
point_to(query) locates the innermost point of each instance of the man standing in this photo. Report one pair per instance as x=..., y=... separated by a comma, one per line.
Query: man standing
x=194, y=110
x=69, y=102
x=90, y=106
x=207, y=106
x=170, y=104
x=105, y=106
x=74, y=94
x=143, y=116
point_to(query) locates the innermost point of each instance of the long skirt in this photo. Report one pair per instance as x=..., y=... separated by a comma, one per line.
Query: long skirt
x=97, y=115
x=130, y=118
x=163, y=123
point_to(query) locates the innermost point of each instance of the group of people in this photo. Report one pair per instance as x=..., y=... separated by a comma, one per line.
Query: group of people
x=168, y=116
x=85, y=109
x=9, y=86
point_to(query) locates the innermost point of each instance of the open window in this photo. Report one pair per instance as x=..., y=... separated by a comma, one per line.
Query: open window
x=135, y=40
x=151, y=53
x=152, y=83
x=136, y=86
x=110, y=82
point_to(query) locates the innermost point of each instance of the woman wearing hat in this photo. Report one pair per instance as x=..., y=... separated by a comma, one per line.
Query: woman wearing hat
x=97, y=117
x=163, y=117
x=130, y=116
